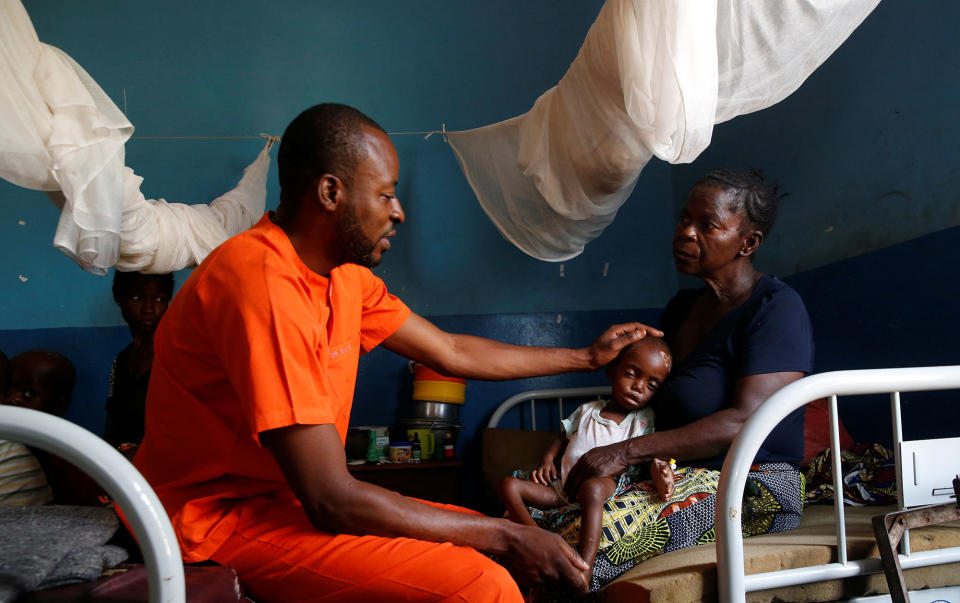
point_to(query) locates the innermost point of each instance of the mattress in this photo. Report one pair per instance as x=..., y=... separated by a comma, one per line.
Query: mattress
x=691, y=574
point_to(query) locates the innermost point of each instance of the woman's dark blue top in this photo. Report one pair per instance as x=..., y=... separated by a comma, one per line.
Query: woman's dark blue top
x=769, y=333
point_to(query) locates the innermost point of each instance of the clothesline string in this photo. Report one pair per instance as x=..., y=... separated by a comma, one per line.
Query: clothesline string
x=194, y=137
x=425, y=134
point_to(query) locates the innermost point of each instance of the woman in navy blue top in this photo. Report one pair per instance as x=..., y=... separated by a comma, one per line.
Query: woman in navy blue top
x=753, y=350
x=735, y=341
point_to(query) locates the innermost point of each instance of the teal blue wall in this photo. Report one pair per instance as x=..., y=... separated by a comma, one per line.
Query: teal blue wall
x=241, y=68
x=867, y=148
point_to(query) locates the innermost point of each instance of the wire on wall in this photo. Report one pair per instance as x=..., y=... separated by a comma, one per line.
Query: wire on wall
x=426, y=134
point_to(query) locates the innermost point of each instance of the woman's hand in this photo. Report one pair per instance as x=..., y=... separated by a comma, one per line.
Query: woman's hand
x=606, y=347
x=602, y=461
x=709, y=436
x=546, y=473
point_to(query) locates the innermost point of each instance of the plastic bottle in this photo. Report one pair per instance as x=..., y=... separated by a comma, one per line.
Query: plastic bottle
x=415, y=449
x=448, y=445
x=373, y=454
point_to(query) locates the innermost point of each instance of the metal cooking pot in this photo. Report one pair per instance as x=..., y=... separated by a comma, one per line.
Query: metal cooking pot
x=429, y=410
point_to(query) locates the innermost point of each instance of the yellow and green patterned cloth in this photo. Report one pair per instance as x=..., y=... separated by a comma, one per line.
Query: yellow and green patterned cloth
x=638, y=524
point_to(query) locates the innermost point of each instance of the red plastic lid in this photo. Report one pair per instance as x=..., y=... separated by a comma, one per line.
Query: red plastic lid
x=423, y=372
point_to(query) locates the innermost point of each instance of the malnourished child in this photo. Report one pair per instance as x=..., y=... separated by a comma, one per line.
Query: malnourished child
x=635, y=376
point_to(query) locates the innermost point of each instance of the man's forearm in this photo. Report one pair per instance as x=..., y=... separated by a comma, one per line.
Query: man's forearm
x=479, y=358
x=313, y=462
x=362, y=508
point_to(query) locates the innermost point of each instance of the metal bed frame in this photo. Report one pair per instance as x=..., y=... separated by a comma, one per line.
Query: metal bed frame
x=122, y=482
x=161, y=554
x=733, y=584
x=538, y=394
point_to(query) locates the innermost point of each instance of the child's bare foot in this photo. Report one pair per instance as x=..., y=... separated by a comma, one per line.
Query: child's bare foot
x=663, y=478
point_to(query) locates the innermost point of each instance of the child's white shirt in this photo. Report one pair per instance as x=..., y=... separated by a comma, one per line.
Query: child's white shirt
x=586, y=430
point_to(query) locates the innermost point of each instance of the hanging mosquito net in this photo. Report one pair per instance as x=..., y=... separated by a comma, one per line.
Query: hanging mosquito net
x=62, y=134
x=651, y=79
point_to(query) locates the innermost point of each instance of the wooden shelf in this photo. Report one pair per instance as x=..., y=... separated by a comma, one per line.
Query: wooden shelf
x=400, y=466
x=437, y=481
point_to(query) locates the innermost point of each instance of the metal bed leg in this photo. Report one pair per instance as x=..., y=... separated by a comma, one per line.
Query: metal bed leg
x=890, y=528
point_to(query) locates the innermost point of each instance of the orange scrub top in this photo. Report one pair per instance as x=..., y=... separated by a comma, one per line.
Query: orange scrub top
x=254, y=340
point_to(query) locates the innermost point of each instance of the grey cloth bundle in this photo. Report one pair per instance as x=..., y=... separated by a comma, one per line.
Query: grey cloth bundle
x=51, y=545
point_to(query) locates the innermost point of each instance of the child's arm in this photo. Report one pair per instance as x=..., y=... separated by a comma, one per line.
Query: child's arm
x=546, y=472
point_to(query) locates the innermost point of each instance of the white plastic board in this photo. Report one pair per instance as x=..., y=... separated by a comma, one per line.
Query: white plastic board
x=929, y=467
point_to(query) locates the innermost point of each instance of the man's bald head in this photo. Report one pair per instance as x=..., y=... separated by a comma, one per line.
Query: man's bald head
x=325, y=139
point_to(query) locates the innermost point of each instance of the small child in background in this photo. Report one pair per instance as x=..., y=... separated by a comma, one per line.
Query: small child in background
x=635, y=375
x=36, y=380
x=42, y=380
x=22, y=481
x=143, y=300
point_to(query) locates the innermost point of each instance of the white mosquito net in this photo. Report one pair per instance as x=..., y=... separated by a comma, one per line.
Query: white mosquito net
x=651, y=79
x=62, y=134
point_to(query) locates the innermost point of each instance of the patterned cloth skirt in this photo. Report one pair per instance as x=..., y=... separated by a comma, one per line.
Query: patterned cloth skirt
x=638, y=524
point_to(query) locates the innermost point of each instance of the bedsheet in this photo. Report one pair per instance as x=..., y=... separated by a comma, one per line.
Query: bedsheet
x=50, y=545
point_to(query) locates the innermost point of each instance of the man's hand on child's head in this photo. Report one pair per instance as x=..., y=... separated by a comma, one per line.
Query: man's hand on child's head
x=606, y=347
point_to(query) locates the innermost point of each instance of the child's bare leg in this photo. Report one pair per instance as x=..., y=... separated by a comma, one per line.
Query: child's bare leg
x=663, y=478
x=591, y=497
x=517, y=494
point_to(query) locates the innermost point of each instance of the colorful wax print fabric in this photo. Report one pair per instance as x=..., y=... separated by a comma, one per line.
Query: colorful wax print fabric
x=638, y=524
x=869, y=476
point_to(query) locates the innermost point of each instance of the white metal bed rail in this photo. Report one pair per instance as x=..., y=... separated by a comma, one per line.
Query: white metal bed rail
x=732, y=582
x=533, y=395
x=122, y=482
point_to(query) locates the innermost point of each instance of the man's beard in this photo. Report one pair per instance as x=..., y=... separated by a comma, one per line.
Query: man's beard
x=351, y=244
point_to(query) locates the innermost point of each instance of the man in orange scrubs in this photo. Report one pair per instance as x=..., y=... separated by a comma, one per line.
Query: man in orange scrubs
x=252, y=383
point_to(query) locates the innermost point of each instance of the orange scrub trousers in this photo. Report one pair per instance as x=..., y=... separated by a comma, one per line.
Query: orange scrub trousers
x=253, y=341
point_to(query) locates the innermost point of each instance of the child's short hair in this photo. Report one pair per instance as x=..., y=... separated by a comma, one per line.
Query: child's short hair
x=124, y=281
x=653, y=341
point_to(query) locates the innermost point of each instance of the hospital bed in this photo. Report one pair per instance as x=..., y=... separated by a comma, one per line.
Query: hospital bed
x=831, y=556
x=764, y=568
x=120, y=480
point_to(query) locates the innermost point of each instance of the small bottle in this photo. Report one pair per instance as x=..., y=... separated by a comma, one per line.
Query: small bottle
x=373, y=453
x=415, y=449
x=448, y=445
